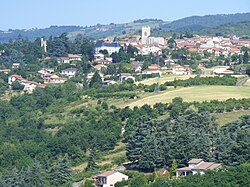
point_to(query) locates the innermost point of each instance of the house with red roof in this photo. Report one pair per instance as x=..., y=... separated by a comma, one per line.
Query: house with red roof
x=29, y=86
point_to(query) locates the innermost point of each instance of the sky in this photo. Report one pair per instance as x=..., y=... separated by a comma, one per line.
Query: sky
x=26, y=14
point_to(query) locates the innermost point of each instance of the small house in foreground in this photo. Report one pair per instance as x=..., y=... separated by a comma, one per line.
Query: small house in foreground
x=196, y=166
x=109, y=178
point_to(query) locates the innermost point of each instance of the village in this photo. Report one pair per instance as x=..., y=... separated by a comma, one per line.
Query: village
x=207, y=48
x=124, y=94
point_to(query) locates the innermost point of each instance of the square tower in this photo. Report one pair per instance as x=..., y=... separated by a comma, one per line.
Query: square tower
x=145, y=34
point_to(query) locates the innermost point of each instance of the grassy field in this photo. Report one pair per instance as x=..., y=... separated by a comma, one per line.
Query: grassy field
x=169, y=78
x=166, y=78
x=228, y=117
x=107, y=157
x=9, y=94
x=196, y=93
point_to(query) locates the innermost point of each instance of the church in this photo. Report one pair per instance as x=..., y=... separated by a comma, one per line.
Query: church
x=146, y=39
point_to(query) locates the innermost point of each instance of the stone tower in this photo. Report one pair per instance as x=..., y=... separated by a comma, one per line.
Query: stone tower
x=44, y=44
x=145, y=34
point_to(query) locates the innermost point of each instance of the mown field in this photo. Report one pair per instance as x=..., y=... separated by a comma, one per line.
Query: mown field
x=169, y=78
x=189, y=94
x=196, y=93
x=166, y=78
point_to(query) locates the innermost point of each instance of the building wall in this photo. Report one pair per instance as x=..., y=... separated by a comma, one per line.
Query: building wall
x=156, y=40
x=68, y=73
x=11, y=80
x=202, y=172
x=109, y=49
x=112, y=179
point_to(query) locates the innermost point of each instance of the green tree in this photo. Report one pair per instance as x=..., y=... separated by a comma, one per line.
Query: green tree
x=171, y=43
x=138, y=181
x=91, y=161
x=60, y=172
x=105, y=105
x=17, y=86
x=245, y=58
x=136, y=141
x=34, y=175
x=96, y=81
x=173, y=168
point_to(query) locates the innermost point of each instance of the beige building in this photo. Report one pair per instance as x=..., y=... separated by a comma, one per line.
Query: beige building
x=179, y=70
x=109, y=178
x=156, y=40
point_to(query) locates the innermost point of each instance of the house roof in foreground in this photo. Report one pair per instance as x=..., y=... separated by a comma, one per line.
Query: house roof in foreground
x=107, y=173
x=195, y=161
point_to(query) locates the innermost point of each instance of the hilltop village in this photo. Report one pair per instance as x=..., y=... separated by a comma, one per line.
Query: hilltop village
x=139, y=57
x=125, y=111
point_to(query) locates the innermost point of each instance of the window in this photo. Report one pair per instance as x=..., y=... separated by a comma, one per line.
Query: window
x=123, y=179
x=111, y=185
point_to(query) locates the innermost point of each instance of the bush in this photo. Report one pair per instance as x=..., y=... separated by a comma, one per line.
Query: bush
x=121, y=183
x=119, y=160
x=17, y=86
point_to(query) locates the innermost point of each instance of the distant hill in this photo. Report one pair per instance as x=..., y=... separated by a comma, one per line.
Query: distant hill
x=240, y=29
x=32, y=34
x=208, y=21
x=193, y=23
x=97, y=31
x=102, y=31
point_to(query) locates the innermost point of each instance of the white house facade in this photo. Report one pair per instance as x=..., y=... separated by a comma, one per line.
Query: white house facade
x=70, y=72
x=196, y=166
x=109, y=178
x=110, y=47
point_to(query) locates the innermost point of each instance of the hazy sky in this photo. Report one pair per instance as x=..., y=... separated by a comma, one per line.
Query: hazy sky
x=23, y=14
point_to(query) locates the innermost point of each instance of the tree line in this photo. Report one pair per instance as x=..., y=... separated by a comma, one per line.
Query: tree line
x=153, y=144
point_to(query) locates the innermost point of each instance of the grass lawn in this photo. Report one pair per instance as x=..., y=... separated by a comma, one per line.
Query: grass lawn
x=108, y=157
x=228, y=117
x=9, y=94
x=169, y=78
x=196, y=93
x=166, y=78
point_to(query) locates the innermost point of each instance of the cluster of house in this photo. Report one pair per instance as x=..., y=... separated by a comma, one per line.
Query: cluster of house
x=195, y=166
x=145, y=43
x=48, y=77
x=173, y=69
x=225, y=70
x=216, y=45
x=29, y=86
x=69, y=59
